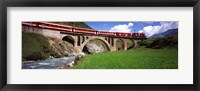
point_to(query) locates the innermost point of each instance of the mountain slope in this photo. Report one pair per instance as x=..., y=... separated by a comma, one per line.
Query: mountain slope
x=170, y=32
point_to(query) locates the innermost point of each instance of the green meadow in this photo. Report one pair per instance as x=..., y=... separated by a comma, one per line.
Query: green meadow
x=141, y=58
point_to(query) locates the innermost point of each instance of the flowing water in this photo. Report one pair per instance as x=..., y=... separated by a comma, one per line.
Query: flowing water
x=54, y=63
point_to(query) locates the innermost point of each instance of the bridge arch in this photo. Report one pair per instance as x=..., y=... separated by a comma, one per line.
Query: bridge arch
x=130, y=44
x=104, y=41
x=69, y=39
x=120, y=44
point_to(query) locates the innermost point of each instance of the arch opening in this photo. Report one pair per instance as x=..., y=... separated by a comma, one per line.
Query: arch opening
x=95, y=46
x=79, y=40
x=68, y=39
x=119, y=44
x=130, y=44
x=106, y=39
x=112, y=43
x=83, y=39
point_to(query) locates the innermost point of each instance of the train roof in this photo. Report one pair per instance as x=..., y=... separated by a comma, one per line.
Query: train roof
x=85, y=28
x=67, y=26
x=56, y=24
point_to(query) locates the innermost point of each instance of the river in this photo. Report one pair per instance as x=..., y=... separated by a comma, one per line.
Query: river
x=55, y=63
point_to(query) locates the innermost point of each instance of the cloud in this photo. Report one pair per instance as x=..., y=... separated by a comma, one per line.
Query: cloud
x=168, y=25
x=164, y=26
x=122, y=28
x=150, y=30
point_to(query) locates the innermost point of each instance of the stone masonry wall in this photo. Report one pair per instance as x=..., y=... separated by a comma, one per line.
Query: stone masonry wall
x=45, y=32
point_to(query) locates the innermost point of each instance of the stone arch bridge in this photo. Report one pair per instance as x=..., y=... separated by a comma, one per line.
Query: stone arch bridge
x=80, y=40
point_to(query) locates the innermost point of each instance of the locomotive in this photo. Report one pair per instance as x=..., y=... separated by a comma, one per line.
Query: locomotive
x=66, y=28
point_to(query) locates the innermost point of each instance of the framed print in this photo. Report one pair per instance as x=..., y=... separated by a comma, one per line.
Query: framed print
x=81, y=45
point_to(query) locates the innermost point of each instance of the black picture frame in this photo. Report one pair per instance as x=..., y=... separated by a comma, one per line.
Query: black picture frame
x=100, y=3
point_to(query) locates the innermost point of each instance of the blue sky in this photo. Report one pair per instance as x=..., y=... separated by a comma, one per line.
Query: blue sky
x=149, y=28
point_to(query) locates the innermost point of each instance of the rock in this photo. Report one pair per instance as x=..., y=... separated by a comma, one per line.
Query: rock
x=94, y=47
x=51, y=57
x=72, y=62
x=70, y=65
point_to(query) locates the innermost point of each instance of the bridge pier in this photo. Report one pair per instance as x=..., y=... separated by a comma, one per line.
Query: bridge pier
x=112, y=43
x=135, y=43
x=125, y=44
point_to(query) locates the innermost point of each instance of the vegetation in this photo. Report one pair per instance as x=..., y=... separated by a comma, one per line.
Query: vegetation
x=119, y=45
x=141, y=58
x=130, y=44
x=36, y=47
x=160, y=43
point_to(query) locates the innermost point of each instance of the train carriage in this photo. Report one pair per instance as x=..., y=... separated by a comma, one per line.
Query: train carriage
x=84, y=30
x=138, y=35
x=106, y=33
x=55, y=26
x=122, y=34
x=29, y=23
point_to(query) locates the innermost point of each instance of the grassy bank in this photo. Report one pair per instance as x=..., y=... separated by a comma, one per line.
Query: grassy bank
x=132, y=59
x=35, y=47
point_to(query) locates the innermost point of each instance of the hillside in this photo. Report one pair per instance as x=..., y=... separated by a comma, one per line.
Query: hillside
x=160, y=43
x=76, y=24
x=168, y=33
x=39, y=47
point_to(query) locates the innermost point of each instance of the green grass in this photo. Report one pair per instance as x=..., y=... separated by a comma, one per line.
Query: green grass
x=131, y=59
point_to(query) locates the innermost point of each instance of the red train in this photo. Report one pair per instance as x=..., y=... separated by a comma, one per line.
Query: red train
x=138, y=34
x=84, y=30
x=80, y=30
x=123, y=34
x=106, y=33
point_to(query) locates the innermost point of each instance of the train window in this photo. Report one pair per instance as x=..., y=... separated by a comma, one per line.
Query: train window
x=47, y=25
x=50, y=26
x=64, y=27
x=44, y=25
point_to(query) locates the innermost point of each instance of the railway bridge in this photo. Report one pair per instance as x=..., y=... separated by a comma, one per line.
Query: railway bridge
x=79, y=40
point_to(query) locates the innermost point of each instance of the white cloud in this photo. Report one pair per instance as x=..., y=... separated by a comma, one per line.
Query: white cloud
x=168, y=25
x=122, y=28
x=151, y=30
x=140, y=31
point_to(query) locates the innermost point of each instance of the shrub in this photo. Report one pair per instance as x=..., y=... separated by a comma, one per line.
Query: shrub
x=36, y=56
x=160, y=43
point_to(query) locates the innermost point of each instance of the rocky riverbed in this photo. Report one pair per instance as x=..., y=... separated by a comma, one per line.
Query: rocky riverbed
x=54, y=63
